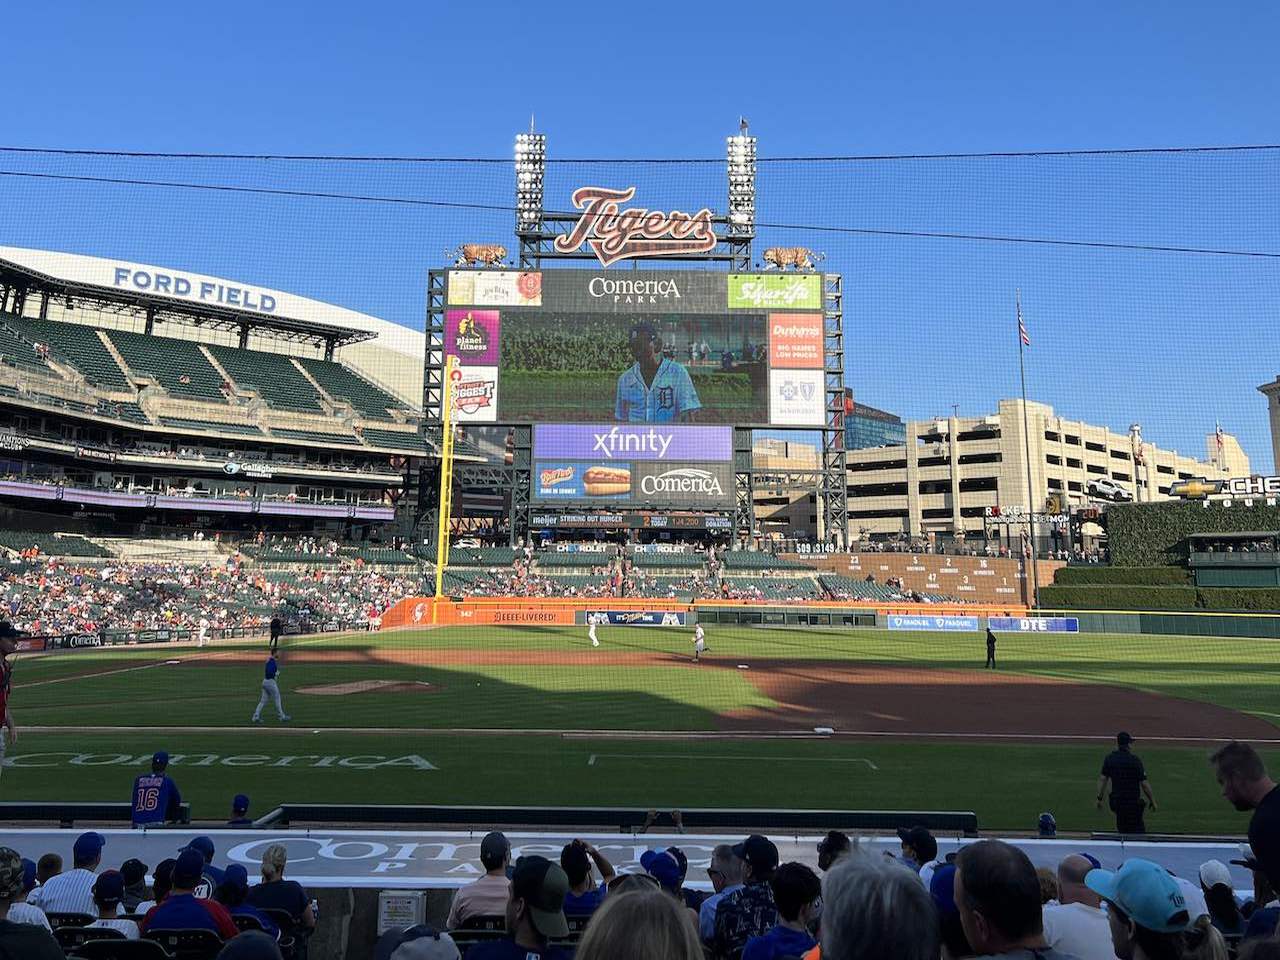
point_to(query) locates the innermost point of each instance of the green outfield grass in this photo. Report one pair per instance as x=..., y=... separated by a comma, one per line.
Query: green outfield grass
x=94, y=692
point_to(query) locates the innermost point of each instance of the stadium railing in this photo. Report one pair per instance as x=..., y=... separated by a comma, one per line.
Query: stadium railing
x=625, y=819
x=68, y=814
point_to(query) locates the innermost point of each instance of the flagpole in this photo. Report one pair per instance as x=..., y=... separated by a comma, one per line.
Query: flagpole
x=1026, y=436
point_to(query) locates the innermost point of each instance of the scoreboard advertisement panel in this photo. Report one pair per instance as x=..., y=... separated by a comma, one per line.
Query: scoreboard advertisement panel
x=636, y=347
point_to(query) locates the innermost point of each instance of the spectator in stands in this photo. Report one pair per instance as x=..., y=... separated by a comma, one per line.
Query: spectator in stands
x=998, y=895
x=487, y=896
x=691, y=898
x=640, y=925
x=1204, y=941
x=725, y=874
x=875, y=909
x=749, y=912
x=797, y=892
x=919, y=851
x=21, y=911
x=212, y=875
x=256, y=945
x=181, y=910
x=27, y=941
x=1246, y=786
x=162, y=884
x=535, y=914
x=1077, y=924
x=1048, y=881
x=664, y=867
x=134, y=872
x=277, y=893
x=1145, y=908
x=1220, y=898
x=232, y=893
x=584, y=896
x=1259, y=950
x=108, y=895
x=49, y=865
x=833, y=848
x=1128, y=778
x=419, y=942
x=942, y=890
x=240, y=812
x=72, y=892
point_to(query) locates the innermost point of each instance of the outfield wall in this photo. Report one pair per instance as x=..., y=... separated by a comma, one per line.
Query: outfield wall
x=990, y=580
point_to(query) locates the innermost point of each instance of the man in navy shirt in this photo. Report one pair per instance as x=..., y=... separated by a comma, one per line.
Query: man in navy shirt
x=535, y=914
x=211, y=876
x=796, y=892
x=240, y=812
x=181, y=910
x=584, y=896
x=155, y=796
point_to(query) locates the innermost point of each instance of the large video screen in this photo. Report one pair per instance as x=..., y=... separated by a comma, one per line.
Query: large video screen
x=666, y=347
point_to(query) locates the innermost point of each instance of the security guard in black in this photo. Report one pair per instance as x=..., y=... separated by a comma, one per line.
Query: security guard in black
x=1128, y=779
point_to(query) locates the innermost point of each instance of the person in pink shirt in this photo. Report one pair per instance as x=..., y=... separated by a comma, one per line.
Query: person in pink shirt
x=487, y=896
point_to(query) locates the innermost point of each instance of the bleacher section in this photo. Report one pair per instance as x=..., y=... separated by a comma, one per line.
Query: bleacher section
x=577, y=583
x=79, y=346
x=314, y=435
x=756, y=560
x=343, y=384
x=273, y=375
x=177, y=365
x=578, y=558
x=673, y=561
x=395, y=439
x=481, y=557
x=203, y=425
x=779, y=588
x=16, y=352
x=49, y=545
x=846, y=587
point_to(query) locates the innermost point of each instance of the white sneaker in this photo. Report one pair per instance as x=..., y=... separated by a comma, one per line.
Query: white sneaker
x=595, y=643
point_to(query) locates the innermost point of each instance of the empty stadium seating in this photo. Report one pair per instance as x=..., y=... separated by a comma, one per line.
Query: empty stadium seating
x=67, y=545
x=579, y=558
x=17, y=352
x=314, y=435
x=177, y=365
x=124, y=410
x=481, y=557
x=202, y=425
x=755, y=560
x=79, y=346
x=395, y=439
x=273, y=375
x=343, y=384
x=674, y=561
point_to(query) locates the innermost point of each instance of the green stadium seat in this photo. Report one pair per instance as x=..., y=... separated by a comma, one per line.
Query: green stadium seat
x=342, y=383
x=394, y=439
x=200, y=426
x=273, y=375
x=78, y=346
x=177, y=365
x=314, y=435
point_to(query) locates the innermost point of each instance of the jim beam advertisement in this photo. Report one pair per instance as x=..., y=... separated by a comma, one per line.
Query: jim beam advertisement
x=642, y=483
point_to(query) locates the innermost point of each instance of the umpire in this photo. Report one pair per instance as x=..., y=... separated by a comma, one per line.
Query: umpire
x=1129, y=785
x=991, y=649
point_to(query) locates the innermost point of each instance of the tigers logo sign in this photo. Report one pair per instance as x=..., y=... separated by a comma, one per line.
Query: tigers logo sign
x=616, y=234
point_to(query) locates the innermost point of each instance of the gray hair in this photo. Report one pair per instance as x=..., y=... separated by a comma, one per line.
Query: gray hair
x=876, y=909
x=722, y=859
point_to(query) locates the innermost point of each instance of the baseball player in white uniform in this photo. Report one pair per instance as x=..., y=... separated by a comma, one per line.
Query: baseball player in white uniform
x=654, y=389
x=699, y=643
x=203, y=634
x=592, y=620
x=270, y=691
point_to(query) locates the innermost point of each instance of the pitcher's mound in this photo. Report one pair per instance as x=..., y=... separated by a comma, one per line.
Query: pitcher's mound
x=369, y=686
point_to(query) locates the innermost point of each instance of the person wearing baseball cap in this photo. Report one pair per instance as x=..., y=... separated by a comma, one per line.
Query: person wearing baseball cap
x=134, y=872
x=1146, y=909
x=108, y=894
x=72, y=891
x=232, y=894
x=1123, y=770
x=155, y=797
x=212, y=874
x=535, y=914
x=182, y=910
x=240, y=812
x=751, y=911
x=1220, y=898
x=655, y=389
x=919, y=851
x=486, y=896
x=420, y=942
x=27, y=940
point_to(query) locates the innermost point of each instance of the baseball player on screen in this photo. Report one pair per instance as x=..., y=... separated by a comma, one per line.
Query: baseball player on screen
x=270, y=691
x=592, y=620
x=699, y=643
x=655, y=389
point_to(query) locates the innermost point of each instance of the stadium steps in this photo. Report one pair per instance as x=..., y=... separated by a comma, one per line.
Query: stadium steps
x=177, y=365
x=17, y=352
x=342, y=383
x=186, y=551
x=274, y=376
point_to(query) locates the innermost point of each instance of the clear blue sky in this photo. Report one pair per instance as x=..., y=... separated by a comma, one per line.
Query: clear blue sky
x=1172, y=341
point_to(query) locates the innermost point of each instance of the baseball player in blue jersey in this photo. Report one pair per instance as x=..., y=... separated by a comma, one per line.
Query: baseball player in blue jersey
x=270, y=691
x=155, y=796
x=655, y=389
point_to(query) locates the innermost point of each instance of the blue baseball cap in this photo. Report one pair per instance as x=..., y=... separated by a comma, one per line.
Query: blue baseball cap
x=1146, y=892
x=188, y=869
x=109, y=887
x=28, y=875
x=202, y=844
x=662, y=866
x=1097, y=864
x=160, y=756
x=236, y=876
x=240, y=803
x=88, y=845
x=942, y=888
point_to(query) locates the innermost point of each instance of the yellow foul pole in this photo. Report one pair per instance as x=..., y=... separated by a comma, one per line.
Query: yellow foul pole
x=446, y=483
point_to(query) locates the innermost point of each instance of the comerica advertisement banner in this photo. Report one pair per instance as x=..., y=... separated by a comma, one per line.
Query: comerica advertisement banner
x=633, y=466
x=644, y=346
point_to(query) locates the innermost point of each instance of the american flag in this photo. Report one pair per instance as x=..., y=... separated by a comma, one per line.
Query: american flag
x=1218, y=437
x=1022, y=328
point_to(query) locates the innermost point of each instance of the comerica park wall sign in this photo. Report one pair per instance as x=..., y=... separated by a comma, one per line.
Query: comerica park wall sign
x=617, y=234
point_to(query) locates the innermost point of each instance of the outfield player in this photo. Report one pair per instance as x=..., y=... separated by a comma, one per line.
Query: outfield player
x=8, y=645
x=203, y=633
x=155, y=796
x=655, y=389
x=699, y=643
x=270, y=691
x=592, y=620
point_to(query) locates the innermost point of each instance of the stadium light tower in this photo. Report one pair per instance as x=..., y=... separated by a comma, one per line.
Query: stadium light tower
x=531, y=168
x=741, y=156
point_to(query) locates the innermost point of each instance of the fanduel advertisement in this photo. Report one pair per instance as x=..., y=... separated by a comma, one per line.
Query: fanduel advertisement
x=623, y=442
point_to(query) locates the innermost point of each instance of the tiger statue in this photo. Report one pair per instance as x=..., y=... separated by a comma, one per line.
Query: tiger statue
x=802, y=258
x=487, y=254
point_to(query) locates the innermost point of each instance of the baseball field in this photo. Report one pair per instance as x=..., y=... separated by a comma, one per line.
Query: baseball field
x=772, y=718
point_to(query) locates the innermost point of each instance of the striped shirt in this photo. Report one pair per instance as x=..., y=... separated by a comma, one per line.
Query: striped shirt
x=70, y=892
x=26, y=913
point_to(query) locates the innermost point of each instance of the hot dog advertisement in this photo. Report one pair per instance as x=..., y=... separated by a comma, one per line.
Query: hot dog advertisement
x=696, y=485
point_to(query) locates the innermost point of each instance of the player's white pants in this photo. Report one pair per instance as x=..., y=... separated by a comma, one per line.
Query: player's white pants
x=591, y=633
x=270, y=693
x=201, y=637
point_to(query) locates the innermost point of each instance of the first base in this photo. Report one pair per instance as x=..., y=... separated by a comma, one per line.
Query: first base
x=743, y=666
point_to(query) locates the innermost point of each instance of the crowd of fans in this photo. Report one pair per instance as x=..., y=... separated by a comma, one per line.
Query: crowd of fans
x=985, y=901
